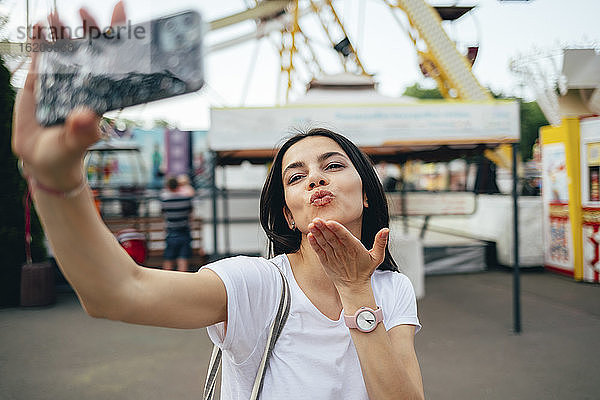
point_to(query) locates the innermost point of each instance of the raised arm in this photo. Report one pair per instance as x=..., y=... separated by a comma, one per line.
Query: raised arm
x=108, y=282
x=387, y=358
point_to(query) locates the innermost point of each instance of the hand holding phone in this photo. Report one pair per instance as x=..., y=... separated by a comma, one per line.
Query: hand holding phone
x=54, y=155
x=122, y=66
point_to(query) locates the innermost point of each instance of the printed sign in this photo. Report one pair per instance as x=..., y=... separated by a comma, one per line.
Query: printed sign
x=558, y=243
x=555, y=179
x=591, y=249
x=558, y=246
x=368, y=125
x=426, y=203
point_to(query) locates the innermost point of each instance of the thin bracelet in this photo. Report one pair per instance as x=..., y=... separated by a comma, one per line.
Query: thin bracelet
x=35, y=184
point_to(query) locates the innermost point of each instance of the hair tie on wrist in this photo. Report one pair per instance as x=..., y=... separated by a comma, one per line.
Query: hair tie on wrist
x=35, y=184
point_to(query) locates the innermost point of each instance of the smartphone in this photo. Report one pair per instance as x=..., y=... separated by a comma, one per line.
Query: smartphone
x=120, y=67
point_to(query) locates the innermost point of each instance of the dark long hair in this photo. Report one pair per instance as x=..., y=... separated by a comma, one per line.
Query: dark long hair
x=282, y=239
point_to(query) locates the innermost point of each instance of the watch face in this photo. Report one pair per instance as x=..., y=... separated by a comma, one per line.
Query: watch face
x=365, y=320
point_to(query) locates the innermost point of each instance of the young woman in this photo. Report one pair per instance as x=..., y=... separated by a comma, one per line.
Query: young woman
x=322, y=207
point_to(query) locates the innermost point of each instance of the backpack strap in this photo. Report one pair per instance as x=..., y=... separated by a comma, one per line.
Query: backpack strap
x=283, y=311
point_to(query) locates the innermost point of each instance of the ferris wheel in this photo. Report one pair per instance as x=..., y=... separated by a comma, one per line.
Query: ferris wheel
x=305, y=32
x=309, y=34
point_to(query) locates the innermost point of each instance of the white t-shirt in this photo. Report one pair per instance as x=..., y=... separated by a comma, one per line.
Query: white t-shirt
x=314, y=358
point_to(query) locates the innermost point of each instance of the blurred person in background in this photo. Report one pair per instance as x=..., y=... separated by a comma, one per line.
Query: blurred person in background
x=176, y=206
x=185, y=187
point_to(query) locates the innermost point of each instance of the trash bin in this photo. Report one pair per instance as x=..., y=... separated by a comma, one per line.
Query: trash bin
x=134, y=243
x=37, y=285
x=130, y=200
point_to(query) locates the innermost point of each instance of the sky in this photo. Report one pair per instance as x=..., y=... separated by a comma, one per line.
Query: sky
x=247, y=74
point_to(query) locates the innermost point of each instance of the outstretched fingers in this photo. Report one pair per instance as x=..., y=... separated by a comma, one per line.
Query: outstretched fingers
x=118, y=16
x=25, y=126
x=379, y=245
x=317, y=231
x=58, y=31
x=344, y=236
x=321, y=253
x=82, y=130
x=90, y=26
x=328, y=234
x=32, y=74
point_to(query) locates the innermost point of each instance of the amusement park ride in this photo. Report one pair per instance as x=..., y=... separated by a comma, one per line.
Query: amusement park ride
x=438, y=56
x=300, y=48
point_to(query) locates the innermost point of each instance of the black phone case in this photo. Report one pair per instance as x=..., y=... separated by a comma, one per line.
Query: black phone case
x=123, y=67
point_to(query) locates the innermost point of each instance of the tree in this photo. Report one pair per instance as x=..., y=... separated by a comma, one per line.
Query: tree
x=163, y=123
x=12, y=216
x=422, y=93
x=532, y=118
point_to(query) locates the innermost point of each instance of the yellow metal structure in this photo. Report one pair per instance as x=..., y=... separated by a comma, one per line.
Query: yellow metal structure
x=262, y=9
x=441, y=60
x=330, y=20
x=333, y=29
x=289, y=49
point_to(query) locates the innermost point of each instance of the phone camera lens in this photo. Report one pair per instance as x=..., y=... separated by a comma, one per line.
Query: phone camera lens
x=170, y=25
x=188, y=20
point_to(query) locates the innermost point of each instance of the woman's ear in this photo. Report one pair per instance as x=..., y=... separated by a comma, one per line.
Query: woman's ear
x=365, y=201
x=289, y=218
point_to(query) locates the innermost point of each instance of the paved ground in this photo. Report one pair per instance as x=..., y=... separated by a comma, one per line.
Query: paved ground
x=467, y=349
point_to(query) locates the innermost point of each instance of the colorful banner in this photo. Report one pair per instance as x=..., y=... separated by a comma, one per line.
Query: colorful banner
x=178, y=151
x=590, y=198
x=558, y=243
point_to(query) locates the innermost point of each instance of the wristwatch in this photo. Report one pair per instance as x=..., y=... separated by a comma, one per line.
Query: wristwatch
x=365, y=319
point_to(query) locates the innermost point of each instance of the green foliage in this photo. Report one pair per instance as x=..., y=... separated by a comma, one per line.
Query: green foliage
x=421, y=93
x=163, y=123
x=122, y=123
x=532, y=118
x=12, y=215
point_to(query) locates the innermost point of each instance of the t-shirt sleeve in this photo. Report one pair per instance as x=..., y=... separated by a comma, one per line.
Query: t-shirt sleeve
x=402, y=303
x=253, y=288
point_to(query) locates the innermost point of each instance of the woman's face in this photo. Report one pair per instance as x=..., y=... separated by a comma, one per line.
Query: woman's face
x=319, y=180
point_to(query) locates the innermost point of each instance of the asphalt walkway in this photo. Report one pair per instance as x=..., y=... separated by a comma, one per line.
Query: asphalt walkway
x=466, y=348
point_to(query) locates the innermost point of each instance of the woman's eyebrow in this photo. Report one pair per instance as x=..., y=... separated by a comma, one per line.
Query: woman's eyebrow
x=325, y=156
x=321, y=158
x=296, y=164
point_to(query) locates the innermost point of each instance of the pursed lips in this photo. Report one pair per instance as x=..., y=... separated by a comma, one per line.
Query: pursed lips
x=321, y=198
